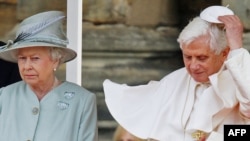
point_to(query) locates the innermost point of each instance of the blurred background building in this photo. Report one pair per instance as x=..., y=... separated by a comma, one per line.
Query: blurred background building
x=127, y=41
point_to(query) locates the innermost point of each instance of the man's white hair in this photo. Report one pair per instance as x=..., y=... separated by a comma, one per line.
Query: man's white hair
x=216, y=37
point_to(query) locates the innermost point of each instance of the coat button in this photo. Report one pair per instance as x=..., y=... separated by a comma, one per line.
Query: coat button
x=35, y=111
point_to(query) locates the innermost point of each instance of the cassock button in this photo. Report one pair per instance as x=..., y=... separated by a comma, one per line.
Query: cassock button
x=35, y=111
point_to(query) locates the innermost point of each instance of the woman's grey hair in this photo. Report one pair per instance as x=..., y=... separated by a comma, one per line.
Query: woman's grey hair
x=197, y=27
x=57, y=54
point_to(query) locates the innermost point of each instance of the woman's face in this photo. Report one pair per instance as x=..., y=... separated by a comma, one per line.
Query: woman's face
x=36, y=66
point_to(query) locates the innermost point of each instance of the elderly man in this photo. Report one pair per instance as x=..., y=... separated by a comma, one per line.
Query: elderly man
x=194, y=102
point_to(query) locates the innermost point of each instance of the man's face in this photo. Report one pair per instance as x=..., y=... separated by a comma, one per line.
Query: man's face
x=200, y=61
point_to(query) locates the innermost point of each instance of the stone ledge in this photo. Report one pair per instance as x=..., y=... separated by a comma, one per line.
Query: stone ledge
x=123, y=38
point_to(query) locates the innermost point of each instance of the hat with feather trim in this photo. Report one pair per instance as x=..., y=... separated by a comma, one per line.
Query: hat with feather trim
x=41, y=30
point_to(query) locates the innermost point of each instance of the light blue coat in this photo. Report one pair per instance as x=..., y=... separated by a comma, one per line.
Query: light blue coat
x=66, y=113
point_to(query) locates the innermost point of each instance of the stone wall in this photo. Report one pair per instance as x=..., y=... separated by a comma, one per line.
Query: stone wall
x=128, y=41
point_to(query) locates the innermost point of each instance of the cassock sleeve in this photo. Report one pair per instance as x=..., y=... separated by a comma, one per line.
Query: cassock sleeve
x=133, y=107
x=238, y=65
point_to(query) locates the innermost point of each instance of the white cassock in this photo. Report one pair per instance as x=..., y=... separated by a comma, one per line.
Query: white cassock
x=169, y=109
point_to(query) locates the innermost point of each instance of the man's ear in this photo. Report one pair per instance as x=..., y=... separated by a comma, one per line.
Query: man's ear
x=225, y=52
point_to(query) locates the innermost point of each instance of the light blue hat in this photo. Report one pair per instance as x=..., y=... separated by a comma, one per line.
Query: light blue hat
x=43, y=29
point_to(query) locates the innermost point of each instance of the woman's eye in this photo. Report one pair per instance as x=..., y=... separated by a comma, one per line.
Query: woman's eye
x=187, y=57
x=21, y=58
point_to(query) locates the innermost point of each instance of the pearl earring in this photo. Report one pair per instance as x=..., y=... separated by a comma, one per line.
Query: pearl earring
x=54, y=69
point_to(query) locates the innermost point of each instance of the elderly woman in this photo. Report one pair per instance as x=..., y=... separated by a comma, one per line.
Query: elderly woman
x=41, y=107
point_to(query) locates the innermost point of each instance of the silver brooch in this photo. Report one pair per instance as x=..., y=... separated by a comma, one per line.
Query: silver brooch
x=62, y=105
x=69, y=95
